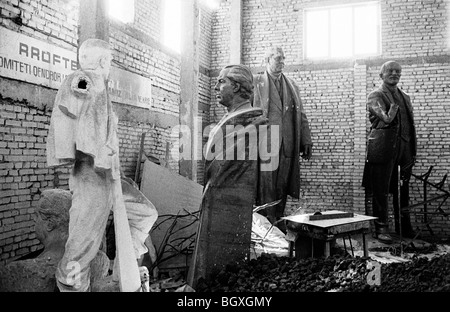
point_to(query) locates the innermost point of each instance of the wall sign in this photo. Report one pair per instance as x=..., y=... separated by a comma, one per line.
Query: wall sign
x=39, y=62
x=35, y=61
x=130, y=88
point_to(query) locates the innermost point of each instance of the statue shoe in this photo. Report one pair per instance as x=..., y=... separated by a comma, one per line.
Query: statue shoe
x=384, y=238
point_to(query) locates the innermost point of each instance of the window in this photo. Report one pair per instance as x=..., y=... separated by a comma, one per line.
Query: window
x=122, y=10
x=342, y=31
x=172, y=24
x=172, y=17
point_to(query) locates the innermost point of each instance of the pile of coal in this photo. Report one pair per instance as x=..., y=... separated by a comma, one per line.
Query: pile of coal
x=418, y=275
x=271, y=273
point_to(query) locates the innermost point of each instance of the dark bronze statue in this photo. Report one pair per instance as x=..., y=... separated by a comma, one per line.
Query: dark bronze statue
x=279, y=98
x=391, y=143
x=224, y=233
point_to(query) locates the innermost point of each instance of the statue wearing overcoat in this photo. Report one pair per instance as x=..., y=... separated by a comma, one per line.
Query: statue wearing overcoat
x=284, y=109
x=392, y=124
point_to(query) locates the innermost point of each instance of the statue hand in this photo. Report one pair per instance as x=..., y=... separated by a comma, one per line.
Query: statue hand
x=307, y=153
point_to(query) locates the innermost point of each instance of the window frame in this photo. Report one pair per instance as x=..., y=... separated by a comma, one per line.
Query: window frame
x=328, y=9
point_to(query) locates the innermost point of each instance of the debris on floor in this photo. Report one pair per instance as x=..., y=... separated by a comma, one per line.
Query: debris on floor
x=338, y=273
x=406, y=265
x=267, y=238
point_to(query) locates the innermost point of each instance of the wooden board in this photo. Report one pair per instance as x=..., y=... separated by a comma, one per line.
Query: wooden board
x=304, y=219
x=329, y=216
x=171, y=194
x=129, y=276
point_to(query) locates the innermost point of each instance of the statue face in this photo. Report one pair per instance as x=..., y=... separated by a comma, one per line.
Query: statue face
x=224, y=89
x=40, y=227
x=276, y=63
x=391, y=74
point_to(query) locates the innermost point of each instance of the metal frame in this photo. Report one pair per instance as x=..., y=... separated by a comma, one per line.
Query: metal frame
x=428, y=215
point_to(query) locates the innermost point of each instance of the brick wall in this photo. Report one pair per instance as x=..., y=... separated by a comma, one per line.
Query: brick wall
x=25, y=110
x=140, y=53
x=23, y=175
x=271, y=22
x=334, y=92
x=206, y=17
x=220, y=43
x=328, y=100
x=44, y=20
x=24, y=122
x=414, y=28
x=148, y=17
x=154, y=145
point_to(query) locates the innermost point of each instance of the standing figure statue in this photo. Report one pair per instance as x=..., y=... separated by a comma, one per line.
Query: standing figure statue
x=279, y=98
x=224, y=233
x=391, y=143
x=83, y=133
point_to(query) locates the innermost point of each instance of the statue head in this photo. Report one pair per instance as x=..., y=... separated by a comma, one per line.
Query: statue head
x=274, y=60
x=95, y=54
x=52, y=216
x=240, y=80
x=390, y=73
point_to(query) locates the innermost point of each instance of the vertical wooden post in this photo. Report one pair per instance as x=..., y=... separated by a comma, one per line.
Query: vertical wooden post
x=189, y=85
x=93, y=20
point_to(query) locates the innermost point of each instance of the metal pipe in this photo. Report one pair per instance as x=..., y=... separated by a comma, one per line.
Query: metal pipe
x=400, y=183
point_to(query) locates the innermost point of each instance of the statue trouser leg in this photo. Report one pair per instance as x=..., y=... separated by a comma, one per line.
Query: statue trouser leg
x=282, y=182
x=381, y=175
x=91, y=204
x=274, y=186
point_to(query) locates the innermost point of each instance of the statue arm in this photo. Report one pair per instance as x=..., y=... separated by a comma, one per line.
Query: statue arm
x=305, y=132
x=378, y=108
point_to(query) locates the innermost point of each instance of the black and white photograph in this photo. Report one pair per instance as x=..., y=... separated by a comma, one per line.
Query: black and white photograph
x=225, y=154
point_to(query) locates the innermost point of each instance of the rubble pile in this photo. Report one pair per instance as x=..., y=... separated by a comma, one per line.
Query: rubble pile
x=337, y=273
x=418, y=275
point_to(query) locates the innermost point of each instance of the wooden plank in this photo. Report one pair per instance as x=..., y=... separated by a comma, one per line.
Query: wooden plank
x=171, y=194
x=331, y=216
x=139, y=160
x=169, y=191
x=129, y=276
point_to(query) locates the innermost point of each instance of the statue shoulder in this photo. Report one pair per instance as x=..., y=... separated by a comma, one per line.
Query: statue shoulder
x=257, y=78
x=404, y=93
x=292, y=83
x=375, y=93
x=252, y=116
x=289, y=79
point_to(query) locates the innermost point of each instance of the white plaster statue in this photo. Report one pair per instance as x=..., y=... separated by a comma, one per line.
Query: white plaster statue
x=83, y=132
